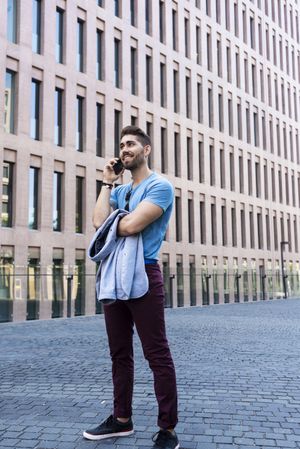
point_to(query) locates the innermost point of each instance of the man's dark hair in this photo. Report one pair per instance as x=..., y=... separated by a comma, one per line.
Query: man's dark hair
x=141, y=136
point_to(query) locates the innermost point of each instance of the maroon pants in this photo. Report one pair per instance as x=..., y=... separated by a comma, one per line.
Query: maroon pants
x=147, y=314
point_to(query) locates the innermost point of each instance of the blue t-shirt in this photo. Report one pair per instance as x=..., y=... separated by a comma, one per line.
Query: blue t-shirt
x=156, y=190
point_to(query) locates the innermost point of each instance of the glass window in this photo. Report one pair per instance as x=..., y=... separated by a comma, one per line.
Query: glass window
x=59, y=48
x=33, y=288
x=12, y=20
x=163, y=86
x=149, y=79
x=133, y=13
x=117, y=132
x=80, y=31
x=148, y=9
x=100, y=130
x=79, y=205
x=176, y=90
x=118, y=8
x=133, y=54
x=79, y=123
x=35, y=110
x=57, y=202
x=162, y=21
x=58, y=287
x=33, y=198
x=58, y=122
x=164, y=150
x=7, y=195
x=100, y=55
x=36, y=25
x=9, y=102
x=117, y=62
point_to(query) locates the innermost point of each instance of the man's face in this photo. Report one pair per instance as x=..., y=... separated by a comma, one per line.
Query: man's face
x=132, y=152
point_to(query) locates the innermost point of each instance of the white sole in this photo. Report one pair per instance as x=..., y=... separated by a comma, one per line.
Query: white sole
x=88, y=436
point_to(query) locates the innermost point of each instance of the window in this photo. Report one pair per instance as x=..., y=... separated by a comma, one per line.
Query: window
x=218, y=11
x=133, y=12
x=9, y=102
x=117, y=44
x=249, y=176
x=148, y=16
x=35, y=110
x=236, y=19
x=230, y=117
x=59, y=47
x=100, y=130
x=177, y=154
x=176, y=90
x=210, y=108
x=275, y=229
x=213, y=224
x=233, y=226
x=33, y=198
x=80, y=38
x=241, y=173
x=257, y=179
x=117, y=132
x=188, y=96
x=149, y=131
x=178, y=219
x=180, y=282
x=189, y=147
x=79, y=123
x=58, y=121
x=118, y=8
x=224, y=225
x=149, y=78
x=232, y=172
x=212, y=171
x=162, y=19
x=198, y=44
x=201, y=162
x=237, y=69
x=243, y=229
x=239, y=120
x=251, y=227
x=227, y=15
x=79, y=205
x=57, y=202
x=199, y=102
x=164, y=149
x=228, y=63
x=187, y=37
x=252, y=32
x=7, y=195
x=99, y=53
x=134, y=83
x=36, y=25
x=163, y=87
x=260, y=231
x=191, y=220
x=219, y=57
x=266, y=181
x=208, y=51
x=222, y=169
x=12, y=21
x=220, y=107
x=175, y=29
x=202, y=223
x=255, y=129
x=268, y=237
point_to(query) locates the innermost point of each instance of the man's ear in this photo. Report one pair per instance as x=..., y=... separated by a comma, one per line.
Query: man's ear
x=147, y=150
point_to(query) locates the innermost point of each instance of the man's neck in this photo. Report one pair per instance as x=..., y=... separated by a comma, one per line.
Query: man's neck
x=139, y=175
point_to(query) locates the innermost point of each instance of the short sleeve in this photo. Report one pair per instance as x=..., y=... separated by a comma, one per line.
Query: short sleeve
x=114, y=199
x=161, y=194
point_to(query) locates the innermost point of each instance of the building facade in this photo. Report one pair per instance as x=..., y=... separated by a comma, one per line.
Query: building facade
x=215, y=83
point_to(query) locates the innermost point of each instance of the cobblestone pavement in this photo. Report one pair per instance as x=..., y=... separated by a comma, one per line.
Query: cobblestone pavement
x=238, y=370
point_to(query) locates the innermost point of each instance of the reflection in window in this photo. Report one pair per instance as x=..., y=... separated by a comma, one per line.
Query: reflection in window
x=79, y=205
x=58, y=116
x=33, y=198
x=6, y=286
x=100, y=130
x=80, y=25
x=57, y=201
x=59, y=35
x=7, y=195
x=99, y=52
x=36, y=25
x=33, y=288
x=79, y=282
x=79, y=124
x=180, y=282
x=35, y=110
x=9, y=102
x=12, y=15
x=117, y=44
x=58, y=288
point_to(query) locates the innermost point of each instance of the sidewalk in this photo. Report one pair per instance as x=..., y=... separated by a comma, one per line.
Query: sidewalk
x=238, y=370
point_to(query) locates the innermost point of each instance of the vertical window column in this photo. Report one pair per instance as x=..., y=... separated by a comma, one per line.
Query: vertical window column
x=80, y=123
x=12, y=21
x=57, y=201
x=79, y=218
x=9, y=101
x=100, y=51
x=118, y=59
x=35, y=110
x=80, y=44
x=164, y=148
x=149, y=74
x=7, y=195
x=100, y=126
x=36, y=25
x=58, y=117
x=59, y=44
x=33, y=198
x=134, y=67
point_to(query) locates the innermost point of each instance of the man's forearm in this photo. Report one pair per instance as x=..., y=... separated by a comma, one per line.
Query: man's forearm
x=102, y=209
x=124, y=227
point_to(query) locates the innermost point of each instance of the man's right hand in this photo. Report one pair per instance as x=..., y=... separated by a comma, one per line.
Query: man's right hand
x=109, y=175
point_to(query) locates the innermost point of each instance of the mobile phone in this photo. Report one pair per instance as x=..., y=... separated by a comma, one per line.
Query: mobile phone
x=118, y=166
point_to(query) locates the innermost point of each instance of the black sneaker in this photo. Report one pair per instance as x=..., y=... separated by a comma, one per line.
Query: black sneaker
x=110, y=428
x=166, y=440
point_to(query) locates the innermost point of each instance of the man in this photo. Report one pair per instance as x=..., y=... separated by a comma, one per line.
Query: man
x=149, y=200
